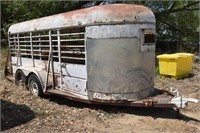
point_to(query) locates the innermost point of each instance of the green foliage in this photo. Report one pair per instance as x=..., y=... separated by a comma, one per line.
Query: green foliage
x=178, y=20
x=156, y=71
x=17, y=11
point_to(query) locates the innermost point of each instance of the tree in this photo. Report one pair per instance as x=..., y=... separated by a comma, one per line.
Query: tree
x=179, y=21
x=17, y=11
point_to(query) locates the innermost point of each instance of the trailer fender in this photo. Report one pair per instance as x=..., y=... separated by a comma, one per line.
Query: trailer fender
x=39, y=72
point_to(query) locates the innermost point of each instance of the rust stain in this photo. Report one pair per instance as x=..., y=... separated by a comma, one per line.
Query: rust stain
x=111, y=8
x=114, y=11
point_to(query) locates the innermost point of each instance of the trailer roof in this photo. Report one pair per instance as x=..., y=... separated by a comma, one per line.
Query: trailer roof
x=97, y=15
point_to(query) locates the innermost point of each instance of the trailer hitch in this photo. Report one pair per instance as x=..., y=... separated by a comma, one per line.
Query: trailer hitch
x=182, y=102
x=179, y=101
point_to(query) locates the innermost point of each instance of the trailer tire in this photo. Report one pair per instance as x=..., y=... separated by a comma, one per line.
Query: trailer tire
x=35, y=86
x=20, y=78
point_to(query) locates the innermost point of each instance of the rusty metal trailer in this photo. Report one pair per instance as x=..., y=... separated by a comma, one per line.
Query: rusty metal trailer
x=102, y=54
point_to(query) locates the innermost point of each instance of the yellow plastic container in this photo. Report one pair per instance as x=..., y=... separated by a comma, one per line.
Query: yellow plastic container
x=176, y=65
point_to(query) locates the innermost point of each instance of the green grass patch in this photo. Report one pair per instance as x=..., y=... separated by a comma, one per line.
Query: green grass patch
x=156, y=71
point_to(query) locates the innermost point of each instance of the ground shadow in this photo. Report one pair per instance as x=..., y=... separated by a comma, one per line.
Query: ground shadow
x=190, y=75
x=14, y=115
x=168, y=113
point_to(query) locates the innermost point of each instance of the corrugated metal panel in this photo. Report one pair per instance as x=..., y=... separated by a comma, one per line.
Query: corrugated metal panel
x=110, y=14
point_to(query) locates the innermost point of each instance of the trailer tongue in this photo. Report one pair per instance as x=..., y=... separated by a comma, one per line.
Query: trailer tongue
x=164, y=99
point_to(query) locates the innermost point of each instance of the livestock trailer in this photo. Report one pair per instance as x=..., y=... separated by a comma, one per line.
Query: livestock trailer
x=101, y=54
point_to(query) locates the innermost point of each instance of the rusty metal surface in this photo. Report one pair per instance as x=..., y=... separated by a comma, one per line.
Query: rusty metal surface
x=105, y=14
x=160, y=100
x=69, y=94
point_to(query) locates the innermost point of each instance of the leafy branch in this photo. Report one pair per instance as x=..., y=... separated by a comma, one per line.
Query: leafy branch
x=171, y=10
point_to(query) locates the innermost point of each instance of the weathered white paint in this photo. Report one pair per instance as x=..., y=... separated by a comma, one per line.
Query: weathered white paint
x=71, y=70
x=117, y=31
x=75, y=85
x=74, y=76
x=113, y=31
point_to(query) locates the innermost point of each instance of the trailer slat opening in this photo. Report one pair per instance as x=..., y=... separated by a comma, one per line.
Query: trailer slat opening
x=71, y=43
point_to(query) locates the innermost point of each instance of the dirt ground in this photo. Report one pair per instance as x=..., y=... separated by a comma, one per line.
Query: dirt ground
x=22, y=112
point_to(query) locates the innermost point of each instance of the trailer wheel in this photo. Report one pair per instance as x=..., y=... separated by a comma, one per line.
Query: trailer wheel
x=35, y=86
x=20, y=78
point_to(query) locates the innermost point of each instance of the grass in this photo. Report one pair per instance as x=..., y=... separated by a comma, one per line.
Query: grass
x=156, y=71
